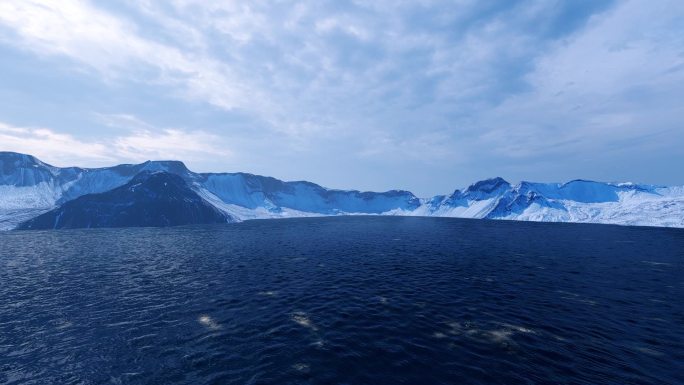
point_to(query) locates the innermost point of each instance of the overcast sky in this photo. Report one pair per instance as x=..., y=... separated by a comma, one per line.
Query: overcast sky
x=420, y=95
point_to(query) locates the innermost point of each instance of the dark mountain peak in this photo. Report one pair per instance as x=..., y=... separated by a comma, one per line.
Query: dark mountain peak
x=155, y=185
x=488, y=185
x=156, y=178
x=149, y=199
x=579, y=181
x=397, y=193
x=484, y=189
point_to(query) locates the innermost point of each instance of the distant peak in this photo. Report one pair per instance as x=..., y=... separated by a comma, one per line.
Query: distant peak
x=174, y=166
x=488, y=185
x=581, y=181
x=16, y=156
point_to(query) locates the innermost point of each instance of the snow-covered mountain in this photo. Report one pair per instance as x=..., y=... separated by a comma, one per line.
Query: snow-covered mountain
x=574, y=201
x=29, y=187
x=151, y=198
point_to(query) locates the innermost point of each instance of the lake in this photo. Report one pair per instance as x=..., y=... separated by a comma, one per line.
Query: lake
x=344, y=300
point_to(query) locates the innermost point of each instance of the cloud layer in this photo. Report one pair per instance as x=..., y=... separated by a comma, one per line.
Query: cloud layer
x=137, y=146
x=423, y=95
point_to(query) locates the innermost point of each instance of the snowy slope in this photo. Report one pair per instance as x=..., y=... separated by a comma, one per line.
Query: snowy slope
x=270, y=197
x=575, y=201
x=29, y=187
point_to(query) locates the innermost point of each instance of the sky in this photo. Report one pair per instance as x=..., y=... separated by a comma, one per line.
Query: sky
x=422, y=95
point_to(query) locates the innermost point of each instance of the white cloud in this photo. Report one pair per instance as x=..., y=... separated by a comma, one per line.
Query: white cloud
x=123, y=121
x=135, y=146
x=113, y=47
x=615, y=80
x=170, y=144
x=268, y=59
x=49, y=145
x=238, y=20
x=474, y=85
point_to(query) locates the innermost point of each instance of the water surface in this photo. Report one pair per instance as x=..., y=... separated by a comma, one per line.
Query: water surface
x=347, y=300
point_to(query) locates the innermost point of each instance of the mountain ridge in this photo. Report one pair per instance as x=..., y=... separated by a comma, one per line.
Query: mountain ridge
x=150, y=198
x=30, y=187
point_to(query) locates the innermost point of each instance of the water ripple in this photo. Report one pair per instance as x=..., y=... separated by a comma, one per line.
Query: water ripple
x=361, y=300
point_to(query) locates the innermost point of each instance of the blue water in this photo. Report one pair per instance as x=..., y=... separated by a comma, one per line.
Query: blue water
x=348, y=300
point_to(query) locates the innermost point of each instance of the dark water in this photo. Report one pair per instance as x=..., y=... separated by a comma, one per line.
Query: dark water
x=357, y=300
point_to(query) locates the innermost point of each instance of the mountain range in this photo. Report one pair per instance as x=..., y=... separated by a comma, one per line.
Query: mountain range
x=36, y=195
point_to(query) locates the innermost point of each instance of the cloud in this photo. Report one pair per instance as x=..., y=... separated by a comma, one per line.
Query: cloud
x=460, y=88
x=47, y=144
x=135, y=146
x=123, y=121
x=293, y=65
x=112, y=47
x=170, y=144
x=617, y=80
